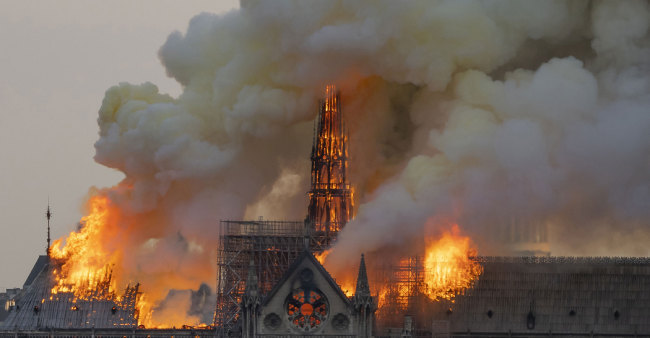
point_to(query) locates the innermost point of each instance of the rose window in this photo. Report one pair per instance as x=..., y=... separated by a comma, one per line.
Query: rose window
x=307, y=309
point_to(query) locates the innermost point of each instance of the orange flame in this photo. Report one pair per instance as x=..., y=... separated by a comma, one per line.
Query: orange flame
x=449, y=265
x=347, y=285
x=145, y=311
x=86, y=264
x=322, y=256
x=447, y=268
x=347, y=288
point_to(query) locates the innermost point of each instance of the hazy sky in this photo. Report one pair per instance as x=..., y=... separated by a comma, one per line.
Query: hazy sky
x=56, y=60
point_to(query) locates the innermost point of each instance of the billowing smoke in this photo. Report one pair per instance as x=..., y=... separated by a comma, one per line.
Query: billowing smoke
x=475, y=113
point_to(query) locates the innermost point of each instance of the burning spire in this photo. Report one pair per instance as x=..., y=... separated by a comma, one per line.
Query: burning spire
x=330, y=197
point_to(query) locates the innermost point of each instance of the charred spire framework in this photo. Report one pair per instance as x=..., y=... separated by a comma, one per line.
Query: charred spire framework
x=330, y=197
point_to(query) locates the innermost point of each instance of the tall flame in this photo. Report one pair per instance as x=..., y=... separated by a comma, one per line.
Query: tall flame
x=447, y=268
x=85, y=262
x=449, y=265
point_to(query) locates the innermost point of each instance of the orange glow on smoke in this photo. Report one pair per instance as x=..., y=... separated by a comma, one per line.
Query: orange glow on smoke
x=348, y=289
x=382, y=297
x=347, y=285
x=88, y=265
x=449, y=267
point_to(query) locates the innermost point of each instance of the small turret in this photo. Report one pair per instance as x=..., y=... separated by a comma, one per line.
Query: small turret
x=363, y=302
x=363, y=288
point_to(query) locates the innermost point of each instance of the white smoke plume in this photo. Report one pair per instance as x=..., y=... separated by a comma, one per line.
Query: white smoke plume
x=469, y=111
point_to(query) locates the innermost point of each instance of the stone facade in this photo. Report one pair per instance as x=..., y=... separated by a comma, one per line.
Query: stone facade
x=307, y=302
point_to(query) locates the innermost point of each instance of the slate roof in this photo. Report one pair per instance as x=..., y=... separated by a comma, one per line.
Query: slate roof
x=606, y=295
x=38, y=267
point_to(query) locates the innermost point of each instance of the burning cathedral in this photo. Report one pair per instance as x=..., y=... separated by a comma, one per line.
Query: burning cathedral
x=271, y=282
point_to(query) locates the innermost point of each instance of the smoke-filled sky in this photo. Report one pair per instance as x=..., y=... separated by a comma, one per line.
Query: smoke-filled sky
x=481, y=113
x=57, y=58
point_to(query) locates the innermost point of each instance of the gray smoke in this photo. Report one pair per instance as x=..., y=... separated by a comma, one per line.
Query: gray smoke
x=472, y=112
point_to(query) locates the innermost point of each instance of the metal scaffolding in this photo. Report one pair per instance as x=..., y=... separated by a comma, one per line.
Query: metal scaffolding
x=401, y=294
x=271, y=245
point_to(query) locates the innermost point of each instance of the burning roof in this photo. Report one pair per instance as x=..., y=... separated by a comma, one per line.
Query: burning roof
x=41, y=306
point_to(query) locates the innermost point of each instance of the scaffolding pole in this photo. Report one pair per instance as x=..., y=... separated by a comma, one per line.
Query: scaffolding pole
x=271, y=245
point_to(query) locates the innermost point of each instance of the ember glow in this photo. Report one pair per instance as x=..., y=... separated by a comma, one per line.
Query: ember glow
x=449, y=265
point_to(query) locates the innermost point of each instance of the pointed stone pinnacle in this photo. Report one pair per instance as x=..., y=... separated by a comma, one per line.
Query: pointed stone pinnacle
x=363, y=288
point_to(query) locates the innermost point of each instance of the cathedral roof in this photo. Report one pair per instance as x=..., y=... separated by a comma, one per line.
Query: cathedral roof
x=37, y=307
x=40, y=264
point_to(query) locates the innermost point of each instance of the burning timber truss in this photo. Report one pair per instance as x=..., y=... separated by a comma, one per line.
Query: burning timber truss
x=39, y=306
